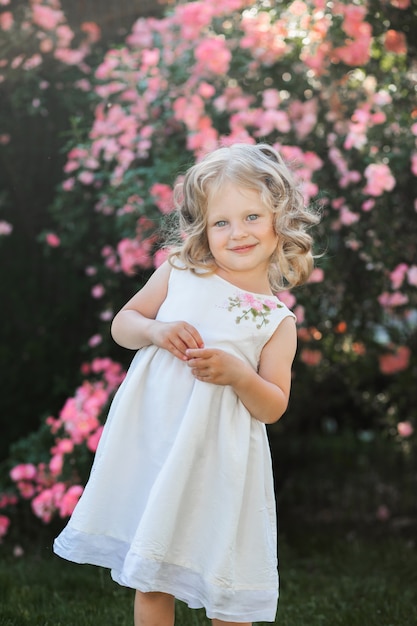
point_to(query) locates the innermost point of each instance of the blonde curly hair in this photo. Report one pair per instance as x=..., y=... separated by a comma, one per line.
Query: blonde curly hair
x=258, y=167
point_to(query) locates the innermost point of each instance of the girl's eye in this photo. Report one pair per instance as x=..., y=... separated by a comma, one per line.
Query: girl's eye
x=252, y=217
x=220, y=223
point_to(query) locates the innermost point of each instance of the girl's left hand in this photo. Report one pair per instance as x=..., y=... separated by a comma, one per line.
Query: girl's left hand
x=211, y=365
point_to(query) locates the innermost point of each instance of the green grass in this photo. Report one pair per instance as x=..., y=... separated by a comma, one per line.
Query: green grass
x=346, y=580
x=329, y=577
x=339, y=565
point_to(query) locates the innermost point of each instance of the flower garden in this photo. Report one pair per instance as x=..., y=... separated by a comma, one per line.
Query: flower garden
x=94, y=132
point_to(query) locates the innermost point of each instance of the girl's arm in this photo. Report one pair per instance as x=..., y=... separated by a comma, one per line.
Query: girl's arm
x=135, y=325
x=264, y=393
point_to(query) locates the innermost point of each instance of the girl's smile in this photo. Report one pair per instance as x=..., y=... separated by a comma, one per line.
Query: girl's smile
x=242, y=248
x=240, y=234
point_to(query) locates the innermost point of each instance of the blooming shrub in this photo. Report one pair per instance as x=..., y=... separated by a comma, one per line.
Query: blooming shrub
x=330, y=85
x=54, y=487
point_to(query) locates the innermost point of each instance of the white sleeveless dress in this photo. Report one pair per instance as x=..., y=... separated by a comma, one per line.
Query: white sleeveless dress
x=180, y=497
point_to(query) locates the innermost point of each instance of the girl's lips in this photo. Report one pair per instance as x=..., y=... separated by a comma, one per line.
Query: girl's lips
x=242, y=248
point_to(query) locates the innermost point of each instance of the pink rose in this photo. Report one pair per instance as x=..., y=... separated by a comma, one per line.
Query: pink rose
x=368, y=205
x=271, y=98
x=414, y=163
x=394, y=362
x=95, y=340
x=412, y=275
x=388, y=300
x=379, y=179
x=405, y=429
x=348, y=217
x=6, y=20
x=63, y=446
x=86, y=178
x=213, y=55
x=43, y=505
x=193, y=17
x=92, y=441
x=287, y=298
x=397, y=275
x=134, y=253
x=106, y=315
x=92, y=30
x=26, y=489
x=311, y=357
x=4, y=525
x=5, y=228
x=98, y=291
x=160, y=257
x=163, y=197
x=68, y=184
x=299, y=313
x=24, y=471
x=69, y=500
x=55, y=464
x=316, y=276
x=206, y=90
x=45, y=17
x=401, y=4
x=52, y=240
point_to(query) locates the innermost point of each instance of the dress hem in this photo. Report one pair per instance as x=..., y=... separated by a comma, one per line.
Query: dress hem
x=186, y=585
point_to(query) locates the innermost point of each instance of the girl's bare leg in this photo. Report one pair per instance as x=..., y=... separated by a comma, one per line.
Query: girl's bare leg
x=154, y=609
x=217, y=622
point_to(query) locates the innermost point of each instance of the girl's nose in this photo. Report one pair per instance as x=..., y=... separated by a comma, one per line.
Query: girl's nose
x=238, y=231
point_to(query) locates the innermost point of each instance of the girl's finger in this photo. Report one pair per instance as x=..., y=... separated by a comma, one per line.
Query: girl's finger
x=178, y=349
x=194, y=339
x=201, y=353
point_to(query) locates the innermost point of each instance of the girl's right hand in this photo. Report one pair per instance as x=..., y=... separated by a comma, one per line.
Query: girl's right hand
x=176, y=337
x=136, y=326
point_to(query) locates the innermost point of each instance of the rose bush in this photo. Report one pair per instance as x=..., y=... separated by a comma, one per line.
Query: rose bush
x=332, y=86
x=45, y=66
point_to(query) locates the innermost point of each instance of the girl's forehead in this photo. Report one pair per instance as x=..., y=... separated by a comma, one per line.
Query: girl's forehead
x=235, y=203
x=229, y=190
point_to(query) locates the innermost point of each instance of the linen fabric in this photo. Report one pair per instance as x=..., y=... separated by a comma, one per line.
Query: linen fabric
x=180, y=498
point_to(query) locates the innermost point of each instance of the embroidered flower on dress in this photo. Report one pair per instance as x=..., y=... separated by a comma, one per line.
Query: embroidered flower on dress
x=252, y=308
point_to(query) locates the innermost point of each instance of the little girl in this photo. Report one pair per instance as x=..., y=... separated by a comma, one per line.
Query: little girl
x=180, y=501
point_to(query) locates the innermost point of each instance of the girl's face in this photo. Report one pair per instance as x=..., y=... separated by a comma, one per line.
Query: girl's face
x=240, y=231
